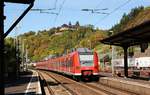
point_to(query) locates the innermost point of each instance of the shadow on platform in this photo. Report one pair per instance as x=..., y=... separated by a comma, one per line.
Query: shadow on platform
x=19, y=86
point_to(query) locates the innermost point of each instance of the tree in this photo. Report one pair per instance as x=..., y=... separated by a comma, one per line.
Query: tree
x=28, y=34
x=70, y=24
x=77, y=24
x=126, y=18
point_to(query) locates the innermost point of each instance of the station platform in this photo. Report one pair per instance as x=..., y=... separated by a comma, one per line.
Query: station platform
x=27, y=84
x=139, y=87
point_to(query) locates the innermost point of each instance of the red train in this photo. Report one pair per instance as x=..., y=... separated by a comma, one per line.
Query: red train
x=80, y=64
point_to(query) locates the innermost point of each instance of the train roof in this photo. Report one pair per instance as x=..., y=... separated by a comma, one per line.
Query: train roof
x=79, y=50
x=83, y=50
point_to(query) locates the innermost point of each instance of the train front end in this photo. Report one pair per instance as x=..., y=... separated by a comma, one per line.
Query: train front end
x=88, y=65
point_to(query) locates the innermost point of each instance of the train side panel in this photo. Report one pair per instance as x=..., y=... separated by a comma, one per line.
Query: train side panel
x=76, y=65
x=79, y=65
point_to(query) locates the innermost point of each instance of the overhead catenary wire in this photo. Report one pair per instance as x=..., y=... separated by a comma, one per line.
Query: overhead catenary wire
x=55, y=4
x=48, y=12
x=44, y=10
x=61, y=7
x=117, y=8
x=96, y=9
x=99, y=4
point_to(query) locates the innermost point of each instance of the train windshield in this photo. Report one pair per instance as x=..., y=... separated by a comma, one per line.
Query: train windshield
x=86, y=60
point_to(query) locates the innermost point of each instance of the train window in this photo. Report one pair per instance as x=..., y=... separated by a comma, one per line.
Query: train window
x=70, y=62
x=86, y=60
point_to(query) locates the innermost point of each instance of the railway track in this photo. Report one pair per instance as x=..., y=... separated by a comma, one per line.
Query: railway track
x=45, y=86
x=82, y=88
x=62, y=84
x=52, y=86
x=75, y=88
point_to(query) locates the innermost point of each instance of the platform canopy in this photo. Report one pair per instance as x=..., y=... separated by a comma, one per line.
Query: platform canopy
x=130, y=37
x=20, y=1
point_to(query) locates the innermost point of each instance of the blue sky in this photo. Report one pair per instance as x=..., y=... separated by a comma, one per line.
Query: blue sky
x=69, y=10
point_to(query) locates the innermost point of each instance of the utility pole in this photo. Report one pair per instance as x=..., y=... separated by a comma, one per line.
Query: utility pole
x=24, y=54
x=22, y=42
x=2, y=63
x=26, y=57
x=17, y=56
x=17, y=52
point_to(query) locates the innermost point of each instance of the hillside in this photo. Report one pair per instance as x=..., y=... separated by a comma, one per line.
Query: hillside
x=56, y=42
x=136, y=16
x=142, y=16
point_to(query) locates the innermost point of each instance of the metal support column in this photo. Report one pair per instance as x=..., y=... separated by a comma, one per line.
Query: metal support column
x=2, y=63
x=18, y=20
x=125, y=61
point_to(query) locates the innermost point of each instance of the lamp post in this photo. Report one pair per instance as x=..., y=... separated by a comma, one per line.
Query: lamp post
x=23, y=55
x=112, y=57
x=26, y=55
